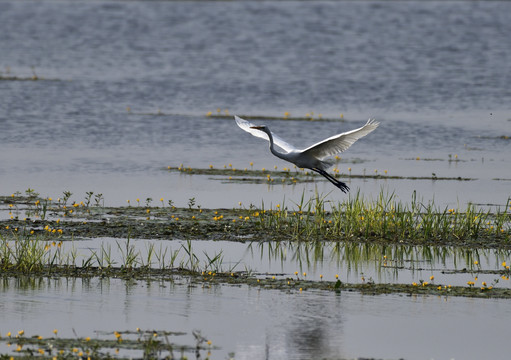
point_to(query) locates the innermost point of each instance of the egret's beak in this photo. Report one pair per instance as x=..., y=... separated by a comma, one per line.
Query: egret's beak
x=257, y=127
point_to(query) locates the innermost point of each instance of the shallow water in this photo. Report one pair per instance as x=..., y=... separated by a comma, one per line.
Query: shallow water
x=435, y=74
x=352, y=262
x=263, y=324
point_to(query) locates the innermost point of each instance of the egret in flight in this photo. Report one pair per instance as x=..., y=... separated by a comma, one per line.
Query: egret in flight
x=314, y=156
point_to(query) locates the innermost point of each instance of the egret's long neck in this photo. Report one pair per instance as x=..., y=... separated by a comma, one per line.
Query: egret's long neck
x=272, y=147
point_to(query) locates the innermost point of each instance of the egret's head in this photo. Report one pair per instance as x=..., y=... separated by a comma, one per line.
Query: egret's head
x=262, y=127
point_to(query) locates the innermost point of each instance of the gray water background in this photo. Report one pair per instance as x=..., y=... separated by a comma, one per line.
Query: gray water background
x=435, y=73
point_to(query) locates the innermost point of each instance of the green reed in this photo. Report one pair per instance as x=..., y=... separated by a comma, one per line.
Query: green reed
x=28, y=252
x=385, y=218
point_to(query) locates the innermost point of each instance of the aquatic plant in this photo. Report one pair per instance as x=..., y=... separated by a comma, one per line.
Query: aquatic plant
x=26, y=251
x=386, y=218
x=142, y=344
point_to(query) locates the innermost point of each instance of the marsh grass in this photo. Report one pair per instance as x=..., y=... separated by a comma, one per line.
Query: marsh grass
x=27, y=253
x=385, y=218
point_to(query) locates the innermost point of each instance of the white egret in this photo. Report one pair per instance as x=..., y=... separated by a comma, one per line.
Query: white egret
x=313, y=157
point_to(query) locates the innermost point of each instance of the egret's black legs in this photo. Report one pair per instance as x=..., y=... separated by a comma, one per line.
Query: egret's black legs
x=344, y=188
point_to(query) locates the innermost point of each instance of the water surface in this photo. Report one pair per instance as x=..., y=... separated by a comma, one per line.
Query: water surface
x=435, y=74
x=262, y=324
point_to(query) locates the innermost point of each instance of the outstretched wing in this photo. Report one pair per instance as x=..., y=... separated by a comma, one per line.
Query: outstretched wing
x=338, y=143
x=247, y=126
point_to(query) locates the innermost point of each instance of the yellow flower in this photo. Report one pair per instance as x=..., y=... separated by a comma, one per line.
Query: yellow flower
x=55, y=331
x=21, y=332
x=504, y=264
x=431, y=278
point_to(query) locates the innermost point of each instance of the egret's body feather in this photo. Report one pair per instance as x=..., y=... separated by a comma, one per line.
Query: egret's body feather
x=314, y=156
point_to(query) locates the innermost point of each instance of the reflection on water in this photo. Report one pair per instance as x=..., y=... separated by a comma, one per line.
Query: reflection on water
x=382, y=262
x=259, y=324
x=353, y=262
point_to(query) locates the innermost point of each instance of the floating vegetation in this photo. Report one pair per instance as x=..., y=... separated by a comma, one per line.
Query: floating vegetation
x=9, y=77
x=288, y=176
x=225, y=115
x=141, y=344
